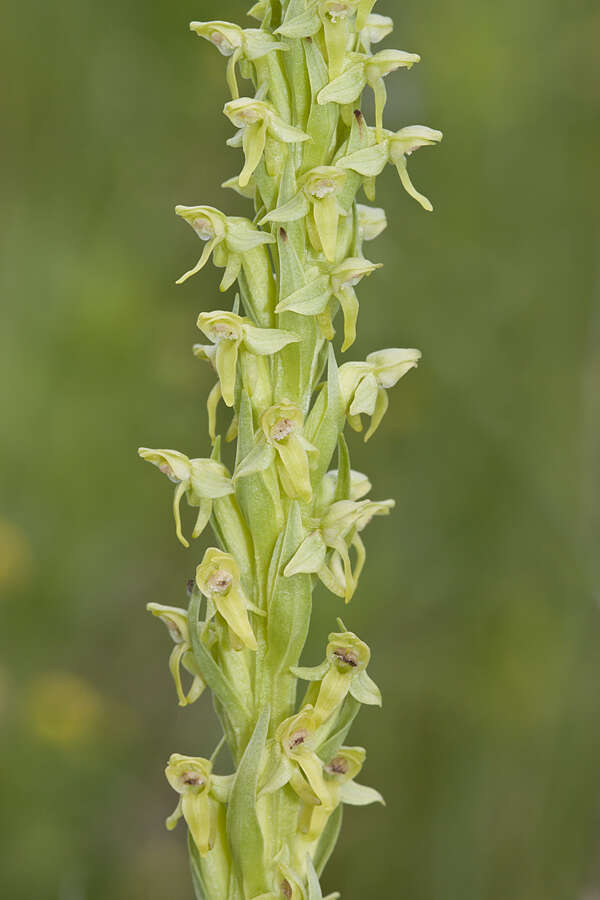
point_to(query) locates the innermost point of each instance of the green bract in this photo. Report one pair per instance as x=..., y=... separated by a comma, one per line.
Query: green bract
x=284, y=504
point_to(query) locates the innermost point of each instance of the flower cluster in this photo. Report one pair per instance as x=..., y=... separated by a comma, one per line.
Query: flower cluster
x=283, y=519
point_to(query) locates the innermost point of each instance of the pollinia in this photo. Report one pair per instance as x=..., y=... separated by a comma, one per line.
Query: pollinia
x=282, y=517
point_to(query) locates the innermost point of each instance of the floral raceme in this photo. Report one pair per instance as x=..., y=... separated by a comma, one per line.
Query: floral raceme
x=274, y=480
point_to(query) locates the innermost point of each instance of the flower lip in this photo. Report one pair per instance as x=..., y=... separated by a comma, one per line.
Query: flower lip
x=220, y=581
x=282, y=429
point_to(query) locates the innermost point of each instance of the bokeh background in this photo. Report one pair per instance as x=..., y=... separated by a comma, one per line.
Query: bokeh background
x=480, y=597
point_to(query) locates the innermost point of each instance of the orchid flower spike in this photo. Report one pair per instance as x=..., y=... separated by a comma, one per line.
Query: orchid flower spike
x=313, y=298
x=229, y=238
x=229, y=333
x=317, y=199
x=201, y=795
x=248, y=44
x=218, y=578
x=343, y=672
x=282, y=441
x=176, y=622
x=336, y=531
x=394, y=148
x=364, y=385
x=364, y=70
x=257, y=120
x=202, y=481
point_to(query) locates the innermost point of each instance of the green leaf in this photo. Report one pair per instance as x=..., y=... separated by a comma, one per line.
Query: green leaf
x=210, y=671
x=314, y=888
x=258, y=495
x=344, y=478
x=198, y=882
x=243, y=827
x=290, y=605
x=322, y=120
x=294, y=363
x=326, y=421
x=328, y=840
x=337, y=736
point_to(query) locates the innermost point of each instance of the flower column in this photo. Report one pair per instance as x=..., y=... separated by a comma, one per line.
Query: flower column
x=282, y=517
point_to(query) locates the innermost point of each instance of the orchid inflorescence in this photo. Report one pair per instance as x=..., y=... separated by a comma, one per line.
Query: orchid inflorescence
x=282, y=517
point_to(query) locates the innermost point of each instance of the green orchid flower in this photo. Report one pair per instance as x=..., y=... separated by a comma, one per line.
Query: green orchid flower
x=239, y=44
x=299, y=764
x=201, y=481
x=362, y=70
x=317, y=200
x=343, y=672
x=313, y=299
x=218, y=578
x=393, y=148
x=375, y=30
x=230, y=333
x=339, y=774
x=337, y=531
x=257, y=120
x=334, y=17
x=282, y=442
x=177, y=625
x=230, y=239
x=364, y=385
x=201, y=795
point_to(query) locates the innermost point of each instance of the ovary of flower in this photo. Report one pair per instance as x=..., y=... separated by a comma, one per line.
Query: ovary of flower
x=237, y=44
x=230, y=236
x=362, y=70
x=317, y=198
x=393, y=148
x=256, y=120
x=364, y=385
x=201, y=481
x=230, y=332
x=218, y=578
x=336, y=531
x=176, y=622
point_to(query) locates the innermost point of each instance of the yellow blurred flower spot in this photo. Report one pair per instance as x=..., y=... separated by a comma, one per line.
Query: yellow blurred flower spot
x=15, y=555
x=63, y=709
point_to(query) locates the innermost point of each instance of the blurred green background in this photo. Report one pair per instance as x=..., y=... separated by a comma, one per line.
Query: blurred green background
x=480, y=595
